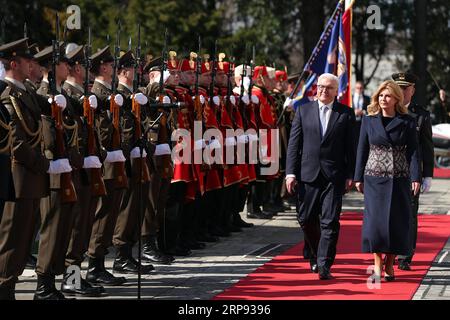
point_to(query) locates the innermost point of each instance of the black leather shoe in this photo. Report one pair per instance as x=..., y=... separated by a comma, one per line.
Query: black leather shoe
x=45, y=289
x=241, y=223
x=259, y=215
x=31, y=262
x=404, y=265
x=85, y=290
x=207, y=238
x=156, y=257
x=179, y=251
x=313, y=266
x=129, y=265
x=195, y=245
x=104, y=277
x=218, y=232
x=325, y=274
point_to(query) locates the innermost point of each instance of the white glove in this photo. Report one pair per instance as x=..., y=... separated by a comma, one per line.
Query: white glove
x=426, y=184
x=252, y=137
x=246, y=99
x=287, y=103
x=202, y=99
x=246, y=83
x=216, y=100
x=136, y=153
x=115, y=156
x=199, y=144
x=243, y=138
x=230, y=141
x=166, y=99
x=118, y=99
x=233, y=100
x=166, y=75
x=59, y=166
x=140, y=98
x=255, y=99
x=93, y=101
x=92, y=162
x=60, y=101
x=162, y=149
x=214, y=144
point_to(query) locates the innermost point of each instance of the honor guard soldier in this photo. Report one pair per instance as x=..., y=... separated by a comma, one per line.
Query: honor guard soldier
x=154, y=218
x=88, y=181
x=29, y=166
x=128, y=221
x=60, y=142
x=107, y=124
x=407, y=82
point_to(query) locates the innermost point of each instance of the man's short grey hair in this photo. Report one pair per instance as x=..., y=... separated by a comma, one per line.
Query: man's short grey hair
x=329, y=76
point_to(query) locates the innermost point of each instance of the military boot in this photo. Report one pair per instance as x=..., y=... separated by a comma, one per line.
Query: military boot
x=98, y=274
x=46, y=290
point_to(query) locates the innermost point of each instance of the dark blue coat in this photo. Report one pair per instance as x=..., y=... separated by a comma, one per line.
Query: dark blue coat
x=333, y=155
x=387, y=162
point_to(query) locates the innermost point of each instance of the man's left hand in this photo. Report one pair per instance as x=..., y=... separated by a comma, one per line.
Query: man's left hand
x=348, y=185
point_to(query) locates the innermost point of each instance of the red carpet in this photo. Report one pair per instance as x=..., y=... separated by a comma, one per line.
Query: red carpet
x=287, y=276
x=441, y=173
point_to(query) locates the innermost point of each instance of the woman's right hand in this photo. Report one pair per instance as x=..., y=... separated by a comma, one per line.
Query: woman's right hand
x=360, y=186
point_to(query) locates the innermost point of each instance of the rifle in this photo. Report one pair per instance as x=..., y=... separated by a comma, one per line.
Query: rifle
x=213, y=82
x=229, y=105
x=68, y=190
x=242, y=105
x=121, y=180
x=163, y=132
x=198, y=110
x=97, y=184
x=136, y=109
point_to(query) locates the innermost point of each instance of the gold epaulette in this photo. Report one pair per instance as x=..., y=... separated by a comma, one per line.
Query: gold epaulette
x=35, y=136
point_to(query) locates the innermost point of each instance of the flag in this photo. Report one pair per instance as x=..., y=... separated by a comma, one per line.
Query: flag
x=332, y=54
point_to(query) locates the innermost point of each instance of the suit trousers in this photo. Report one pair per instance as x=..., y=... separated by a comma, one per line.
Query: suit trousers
x=158, y=194
x=131, y=216
x=318, y=216
x=105, y=220
x=54, y=236
x=84, y=212
x=414, y=226
x=17, y=231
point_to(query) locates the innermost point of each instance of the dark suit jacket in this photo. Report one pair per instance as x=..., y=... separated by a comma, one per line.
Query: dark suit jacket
x=333, y=155
x=425, y=138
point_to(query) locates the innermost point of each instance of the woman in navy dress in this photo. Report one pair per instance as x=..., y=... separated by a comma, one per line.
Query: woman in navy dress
x=387, y=172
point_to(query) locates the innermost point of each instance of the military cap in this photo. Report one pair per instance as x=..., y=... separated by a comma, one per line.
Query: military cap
x=34, y=48
x=405, y=79
x=189, y=64
x=126, y=59
x=280, y=75
x=238, y=70
x=271, y=72
x=44, y=57
x=206, y=65
x=76, y=55
x=153, y=64
x=173, y=63
x=259, y=71
x=222, y=66
x=18, y=48
x=101, y=56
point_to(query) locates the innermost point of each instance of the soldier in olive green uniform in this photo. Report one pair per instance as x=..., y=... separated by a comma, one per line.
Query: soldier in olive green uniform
x=57, y=211
x=88, y=196
x=109, y=206
x=29, y=167
x=130, y=219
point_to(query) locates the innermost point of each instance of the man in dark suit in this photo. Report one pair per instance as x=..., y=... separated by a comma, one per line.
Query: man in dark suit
x=321, y=157
x=407, y=82
x=360, y=103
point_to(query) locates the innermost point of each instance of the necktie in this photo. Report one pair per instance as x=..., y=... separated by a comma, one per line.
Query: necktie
x=323, y=119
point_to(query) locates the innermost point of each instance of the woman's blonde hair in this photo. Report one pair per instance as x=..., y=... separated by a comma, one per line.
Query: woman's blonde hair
x=374, y=107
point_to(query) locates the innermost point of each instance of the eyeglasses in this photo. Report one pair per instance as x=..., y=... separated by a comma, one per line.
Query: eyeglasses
x=321, y=88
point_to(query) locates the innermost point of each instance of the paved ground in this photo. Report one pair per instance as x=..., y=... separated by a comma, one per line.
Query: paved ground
x=208, y=272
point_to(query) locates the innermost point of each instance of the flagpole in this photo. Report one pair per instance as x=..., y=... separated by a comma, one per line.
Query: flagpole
x=338, y=7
